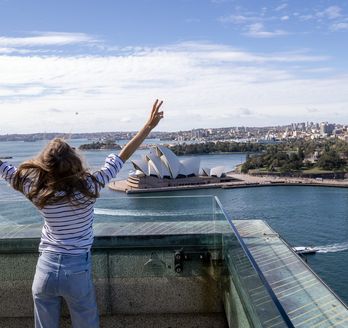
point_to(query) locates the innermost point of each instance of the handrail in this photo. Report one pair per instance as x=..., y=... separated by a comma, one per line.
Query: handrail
x=256, y=267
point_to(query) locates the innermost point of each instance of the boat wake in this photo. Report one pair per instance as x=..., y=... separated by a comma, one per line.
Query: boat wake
x=332, y=248
x=147, y=213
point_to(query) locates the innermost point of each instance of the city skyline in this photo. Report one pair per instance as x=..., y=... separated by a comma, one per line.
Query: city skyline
x=81, y=66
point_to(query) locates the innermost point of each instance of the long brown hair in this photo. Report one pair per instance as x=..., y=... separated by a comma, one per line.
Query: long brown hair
x=56, y=174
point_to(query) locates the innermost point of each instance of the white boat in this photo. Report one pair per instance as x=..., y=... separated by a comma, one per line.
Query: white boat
x=304, y=250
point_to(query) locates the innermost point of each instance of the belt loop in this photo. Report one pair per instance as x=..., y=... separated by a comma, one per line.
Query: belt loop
x=87, y=256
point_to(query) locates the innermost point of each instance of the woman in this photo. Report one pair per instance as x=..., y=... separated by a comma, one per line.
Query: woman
x=64, y=193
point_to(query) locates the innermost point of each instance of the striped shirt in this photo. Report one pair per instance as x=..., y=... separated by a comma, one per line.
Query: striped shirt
x=68, y=227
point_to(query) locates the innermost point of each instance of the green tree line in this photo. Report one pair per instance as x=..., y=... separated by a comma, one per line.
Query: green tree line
x=298, y=155
x=216, y=147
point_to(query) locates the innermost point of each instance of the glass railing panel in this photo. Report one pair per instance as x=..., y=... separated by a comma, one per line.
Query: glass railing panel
x=152, y=209
x=182, y=225
x=151, y=255
x=241, y=277
x=144, y=241
x=157, y=221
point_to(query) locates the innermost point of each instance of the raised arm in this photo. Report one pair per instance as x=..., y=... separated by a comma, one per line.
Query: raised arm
x=136, y=141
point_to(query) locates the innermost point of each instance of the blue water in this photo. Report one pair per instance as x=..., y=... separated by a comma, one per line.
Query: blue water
x=301, y=215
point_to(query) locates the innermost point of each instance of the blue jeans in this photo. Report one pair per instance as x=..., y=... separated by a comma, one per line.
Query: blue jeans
x=65, y=276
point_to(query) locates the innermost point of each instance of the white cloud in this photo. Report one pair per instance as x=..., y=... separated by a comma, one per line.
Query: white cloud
x=339, y=26
x=331, y=12
x=305, y=17
x=21, y=91
x=312, y=110
x=126, y=119
x=257, y=30
x=281, y=7
x=46, y=39
x=238, y=19
x=284, y=18
x=213, y=82
x=25, y=51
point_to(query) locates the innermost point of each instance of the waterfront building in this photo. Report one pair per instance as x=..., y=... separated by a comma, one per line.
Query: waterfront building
x=161, y=168
x=162, y=163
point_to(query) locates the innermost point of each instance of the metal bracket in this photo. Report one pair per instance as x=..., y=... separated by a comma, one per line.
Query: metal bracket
x=180, y=256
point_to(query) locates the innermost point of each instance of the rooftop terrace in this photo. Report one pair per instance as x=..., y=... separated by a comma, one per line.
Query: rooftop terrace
x=177, y=262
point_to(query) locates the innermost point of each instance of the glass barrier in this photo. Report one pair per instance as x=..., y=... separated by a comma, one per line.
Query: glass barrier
x=153, y=239
x=155, y=209
x=242, y=276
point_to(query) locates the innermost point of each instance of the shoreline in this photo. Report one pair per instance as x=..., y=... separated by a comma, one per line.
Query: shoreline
x=242, y=181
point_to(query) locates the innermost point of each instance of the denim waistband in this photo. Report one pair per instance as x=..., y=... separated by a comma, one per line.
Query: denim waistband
x=63, y=257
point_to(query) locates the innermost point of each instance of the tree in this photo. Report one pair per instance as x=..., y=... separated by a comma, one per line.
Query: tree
x=330, y=160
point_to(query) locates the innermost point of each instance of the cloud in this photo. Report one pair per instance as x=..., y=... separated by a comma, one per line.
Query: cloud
x=257, y=30
x=339, y=26
x=305, y=17
x=261, y=23
x=312, y=110
x=25, y=51
x=46, y=39
x=281, y=7
x=245, y=111
x=331, y=12
x=55, y=110
x=238, y=19
x=330, y=17
x=20, y=90
x=126, y=119
x=196, y=79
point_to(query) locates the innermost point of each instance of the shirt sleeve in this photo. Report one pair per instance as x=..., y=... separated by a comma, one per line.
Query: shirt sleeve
x=112, y=166
x=8, y=171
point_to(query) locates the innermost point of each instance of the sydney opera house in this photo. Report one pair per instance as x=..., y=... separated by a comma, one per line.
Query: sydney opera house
x=161, y=168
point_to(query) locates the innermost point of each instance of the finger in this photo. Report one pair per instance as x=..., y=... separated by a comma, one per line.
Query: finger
x=154, y=106
x=160, y=104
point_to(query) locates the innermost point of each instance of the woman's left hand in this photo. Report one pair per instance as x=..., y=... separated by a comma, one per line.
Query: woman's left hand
x=156, y=115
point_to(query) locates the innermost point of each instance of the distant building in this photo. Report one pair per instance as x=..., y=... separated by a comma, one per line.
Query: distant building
x=326, y=128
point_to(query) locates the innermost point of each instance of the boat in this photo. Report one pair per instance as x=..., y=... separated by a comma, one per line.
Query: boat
x=306, y=250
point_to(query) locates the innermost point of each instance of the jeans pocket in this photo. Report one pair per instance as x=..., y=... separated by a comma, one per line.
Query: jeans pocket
x=40, y=282
x=79, y=283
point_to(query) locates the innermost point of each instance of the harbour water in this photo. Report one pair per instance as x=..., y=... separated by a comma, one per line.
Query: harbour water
x=303, y=216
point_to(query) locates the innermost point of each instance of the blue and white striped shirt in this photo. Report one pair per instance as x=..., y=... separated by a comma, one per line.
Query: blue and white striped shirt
x=68, y=227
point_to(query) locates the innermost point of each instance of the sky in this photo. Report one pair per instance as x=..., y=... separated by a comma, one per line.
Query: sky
x=88, y=66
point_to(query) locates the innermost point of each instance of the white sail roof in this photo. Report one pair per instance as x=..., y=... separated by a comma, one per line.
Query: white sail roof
x=217, y=171
x=189, y=166
x=169, y=159
x=141, y=165
x=151, y=169
x=155, y=162
x=162, y=162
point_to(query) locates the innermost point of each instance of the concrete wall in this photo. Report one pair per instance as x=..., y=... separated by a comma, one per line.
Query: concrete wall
x=135, y=288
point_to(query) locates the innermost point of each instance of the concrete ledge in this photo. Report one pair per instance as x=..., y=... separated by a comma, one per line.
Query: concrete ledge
x=123, y=285
x=177, y=320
